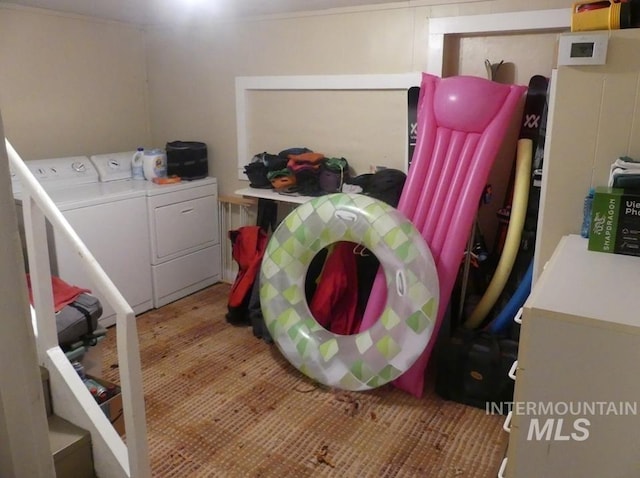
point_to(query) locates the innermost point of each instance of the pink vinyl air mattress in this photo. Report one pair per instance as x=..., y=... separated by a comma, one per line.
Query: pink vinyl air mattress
x=462, y=122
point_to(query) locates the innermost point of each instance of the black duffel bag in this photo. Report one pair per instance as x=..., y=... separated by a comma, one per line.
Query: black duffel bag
x=473, y=367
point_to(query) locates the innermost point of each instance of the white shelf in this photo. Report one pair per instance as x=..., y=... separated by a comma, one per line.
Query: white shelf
x=591, y=285
x=273, y=195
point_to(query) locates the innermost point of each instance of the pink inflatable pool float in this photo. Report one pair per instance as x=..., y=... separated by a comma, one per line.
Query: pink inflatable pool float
x=462, y=122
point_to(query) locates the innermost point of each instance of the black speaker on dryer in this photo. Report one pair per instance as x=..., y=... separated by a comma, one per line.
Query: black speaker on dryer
x=187, y=159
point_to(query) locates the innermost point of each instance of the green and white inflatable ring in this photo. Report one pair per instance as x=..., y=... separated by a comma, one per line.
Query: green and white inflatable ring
x=385, y=351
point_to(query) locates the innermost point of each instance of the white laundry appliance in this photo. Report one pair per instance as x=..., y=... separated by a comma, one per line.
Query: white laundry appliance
x=184, y=248
x=110, y=219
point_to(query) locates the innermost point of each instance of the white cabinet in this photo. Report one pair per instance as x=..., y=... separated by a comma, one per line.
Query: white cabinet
x=577, y=382
x=185, y=240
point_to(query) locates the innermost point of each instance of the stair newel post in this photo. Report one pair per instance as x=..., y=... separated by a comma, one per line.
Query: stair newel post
x=40, y=273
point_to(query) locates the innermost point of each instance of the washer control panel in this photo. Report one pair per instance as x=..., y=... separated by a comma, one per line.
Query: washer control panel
x=63, y=172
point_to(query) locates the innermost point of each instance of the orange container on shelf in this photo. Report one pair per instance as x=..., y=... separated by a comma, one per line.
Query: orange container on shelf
x=605, y=15
x=600, y=15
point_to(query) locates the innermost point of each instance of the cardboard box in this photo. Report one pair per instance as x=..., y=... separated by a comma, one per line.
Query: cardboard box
x=615, y=222
x=112, y=408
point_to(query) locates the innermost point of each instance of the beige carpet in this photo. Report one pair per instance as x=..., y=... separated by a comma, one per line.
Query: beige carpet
x=220, y=402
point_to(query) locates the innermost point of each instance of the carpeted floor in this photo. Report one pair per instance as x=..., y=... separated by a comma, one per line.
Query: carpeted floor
x=221, y=403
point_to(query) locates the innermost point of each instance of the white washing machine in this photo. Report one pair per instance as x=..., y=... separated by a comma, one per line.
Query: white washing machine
x=112, y=221
x=184, y=247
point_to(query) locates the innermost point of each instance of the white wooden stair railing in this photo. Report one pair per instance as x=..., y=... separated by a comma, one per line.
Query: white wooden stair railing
x=71, y=399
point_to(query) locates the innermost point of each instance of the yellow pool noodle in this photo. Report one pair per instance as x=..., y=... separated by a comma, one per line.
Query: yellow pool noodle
x=514, y=234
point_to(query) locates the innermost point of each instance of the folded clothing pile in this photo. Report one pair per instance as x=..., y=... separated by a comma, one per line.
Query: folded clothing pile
x=305, y=166
x=281, y=179
x=261, y=165
x=298, y=171
x=625, y=174
x=334, y=172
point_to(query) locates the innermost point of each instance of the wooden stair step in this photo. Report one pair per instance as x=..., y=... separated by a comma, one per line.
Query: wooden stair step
x=71, y=449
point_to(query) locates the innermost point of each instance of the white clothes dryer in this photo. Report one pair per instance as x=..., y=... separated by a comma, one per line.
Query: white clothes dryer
x=184, y=233
x=110, y=219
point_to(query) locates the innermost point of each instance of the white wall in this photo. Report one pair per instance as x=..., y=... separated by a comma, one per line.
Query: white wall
x=71, y=85
x=199, y=68
x=75, y=85
x=192, y=69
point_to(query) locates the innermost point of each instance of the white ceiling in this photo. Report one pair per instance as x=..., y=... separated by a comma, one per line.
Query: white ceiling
x=168, y=11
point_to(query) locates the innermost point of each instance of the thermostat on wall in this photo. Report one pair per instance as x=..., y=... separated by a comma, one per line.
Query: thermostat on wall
x=588, y=49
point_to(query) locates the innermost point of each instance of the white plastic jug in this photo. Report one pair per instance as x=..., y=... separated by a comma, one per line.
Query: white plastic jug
x=154, y=164
x=137, y=171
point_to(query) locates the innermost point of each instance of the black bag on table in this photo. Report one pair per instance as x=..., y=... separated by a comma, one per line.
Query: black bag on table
x=473, y=367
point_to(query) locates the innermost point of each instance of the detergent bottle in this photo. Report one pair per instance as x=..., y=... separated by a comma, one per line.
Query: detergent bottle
x=136, y=164
x=154, y=164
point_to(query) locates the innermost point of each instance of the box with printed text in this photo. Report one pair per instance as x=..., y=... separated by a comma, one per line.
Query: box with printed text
x=615, y=222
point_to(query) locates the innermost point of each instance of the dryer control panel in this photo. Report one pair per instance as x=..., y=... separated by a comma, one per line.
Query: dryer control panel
x=113, y=166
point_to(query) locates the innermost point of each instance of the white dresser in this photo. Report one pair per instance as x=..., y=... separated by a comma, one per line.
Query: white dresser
x=580, y=348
